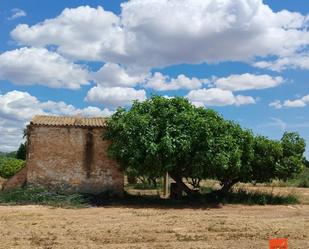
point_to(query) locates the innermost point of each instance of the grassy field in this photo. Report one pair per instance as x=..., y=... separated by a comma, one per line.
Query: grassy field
x=153, y=224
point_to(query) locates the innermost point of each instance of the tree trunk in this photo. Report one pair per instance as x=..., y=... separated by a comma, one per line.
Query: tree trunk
x=181, y=185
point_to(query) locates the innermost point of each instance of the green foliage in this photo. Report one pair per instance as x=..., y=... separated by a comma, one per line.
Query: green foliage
x=21, y=152
x=279, y=160
x=292, y=162
x=10, y=166
x=41, y=196
x=301, y=180
x=257, y=198
x=233, y=155
x=164, y=135
x=171, y=135
x=8, y=154
x=267, y=157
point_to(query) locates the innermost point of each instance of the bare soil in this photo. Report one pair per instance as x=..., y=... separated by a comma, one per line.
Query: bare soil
x=230, y=226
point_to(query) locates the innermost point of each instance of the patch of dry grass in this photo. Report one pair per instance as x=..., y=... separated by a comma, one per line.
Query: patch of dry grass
x=232, y=226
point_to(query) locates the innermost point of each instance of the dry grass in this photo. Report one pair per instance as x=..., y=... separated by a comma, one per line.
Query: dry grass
x=301, y=193
x=151, y=226
x=232, y=226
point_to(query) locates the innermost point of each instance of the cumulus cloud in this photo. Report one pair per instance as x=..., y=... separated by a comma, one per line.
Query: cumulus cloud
x=162, y=82
x=299, y=61
x=17, y=108
x=217, y=97
x=84, y=33
x=17, y=13
x=302, y=102
x=30, y=66
x=248, y=82
x=115, y=96
x=112, y=75
x=237, y=82
x=157, y=33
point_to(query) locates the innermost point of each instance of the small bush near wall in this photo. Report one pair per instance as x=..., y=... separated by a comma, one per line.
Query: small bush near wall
x=10, y=166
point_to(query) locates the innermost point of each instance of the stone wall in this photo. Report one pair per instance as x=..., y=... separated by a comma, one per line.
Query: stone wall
x=72, y=159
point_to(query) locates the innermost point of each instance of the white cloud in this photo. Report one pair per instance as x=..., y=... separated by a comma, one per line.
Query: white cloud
x=17, y=13
x=157, y=33
x=115, y=96
x=111, y=75
x=173, y=31
x=302, y=102
x=83, y=33
x=294, y=103
x=276, y=104
x=217, y=97
x=162, y=82
x=248, y=82
x=29, y=66
x=244, y=100
x=17, y=108
x=298, y=61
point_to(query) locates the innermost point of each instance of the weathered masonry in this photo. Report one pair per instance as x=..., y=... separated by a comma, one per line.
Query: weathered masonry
x=68, y=154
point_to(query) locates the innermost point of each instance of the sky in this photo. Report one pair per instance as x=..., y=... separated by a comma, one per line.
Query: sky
x=247, y=59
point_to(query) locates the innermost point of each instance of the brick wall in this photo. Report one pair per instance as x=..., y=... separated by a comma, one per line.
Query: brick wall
x=71, y=159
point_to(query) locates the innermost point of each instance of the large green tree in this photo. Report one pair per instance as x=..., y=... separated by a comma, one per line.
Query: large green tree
x=233, y=155
x=164, y=135
x=293, y=160
x=278, y=159
x=267, y=158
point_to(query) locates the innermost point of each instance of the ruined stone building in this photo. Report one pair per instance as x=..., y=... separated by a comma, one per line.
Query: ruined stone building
x=69, y=154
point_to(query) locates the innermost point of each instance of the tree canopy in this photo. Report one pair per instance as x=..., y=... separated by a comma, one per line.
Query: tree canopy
x=21, y=152
x=171, y=135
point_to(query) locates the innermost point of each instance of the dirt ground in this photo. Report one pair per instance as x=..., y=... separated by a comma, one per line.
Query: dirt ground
x=230, y=226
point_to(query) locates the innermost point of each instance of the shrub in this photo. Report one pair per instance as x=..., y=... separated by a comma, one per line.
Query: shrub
x=301, y=180
x=242, y=196
x=10, y=166
x=41, y=196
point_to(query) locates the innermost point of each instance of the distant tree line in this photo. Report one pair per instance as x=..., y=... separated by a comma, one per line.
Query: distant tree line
x=163, y=135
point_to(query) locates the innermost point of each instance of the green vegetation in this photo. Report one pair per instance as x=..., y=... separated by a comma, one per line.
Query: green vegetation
x=257, y=198
x=171, y=135
x=8, y=154
x=26, y=196
x=10, y=166
x=21, y=152
x=41, y=196
x=301, y=180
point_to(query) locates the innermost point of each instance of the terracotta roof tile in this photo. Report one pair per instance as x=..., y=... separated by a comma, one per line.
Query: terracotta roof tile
x=76, y=121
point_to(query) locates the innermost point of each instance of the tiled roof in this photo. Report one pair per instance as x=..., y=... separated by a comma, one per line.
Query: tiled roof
x=75, y=121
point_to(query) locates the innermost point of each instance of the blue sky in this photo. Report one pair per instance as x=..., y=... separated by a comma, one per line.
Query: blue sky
x=247, y=59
